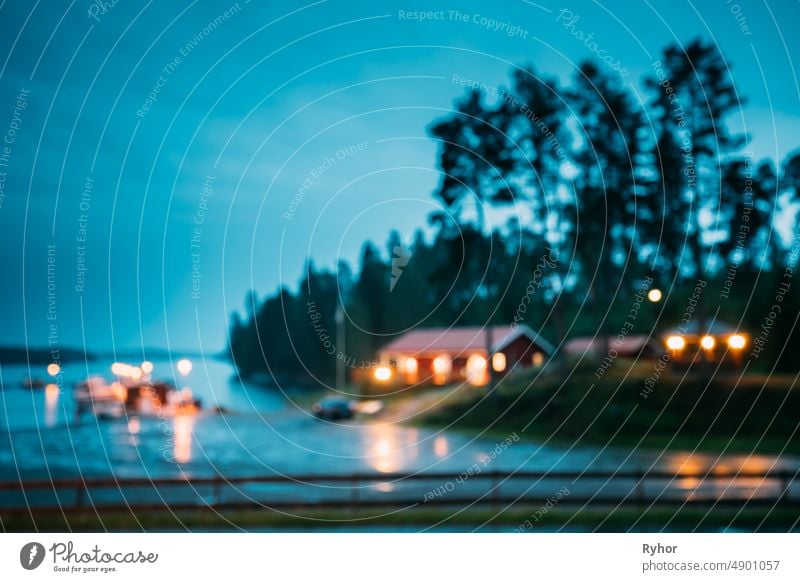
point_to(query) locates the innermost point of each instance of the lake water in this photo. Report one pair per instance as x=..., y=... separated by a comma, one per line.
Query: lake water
x=213, y=381
x=267, y=431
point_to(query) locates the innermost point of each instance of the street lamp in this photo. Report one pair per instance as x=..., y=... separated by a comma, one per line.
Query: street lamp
x=119, y=369
x=676, y=343
x=184, y=366
x=338, y=317
x=737, y=341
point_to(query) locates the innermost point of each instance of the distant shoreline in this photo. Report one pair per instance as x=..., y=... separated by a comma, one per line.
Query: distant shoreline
x=43, y=355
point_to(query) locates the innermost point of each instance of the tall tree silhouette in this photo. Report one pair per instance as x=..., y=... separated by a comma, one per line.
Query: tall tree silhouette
x=370, y=299
x=607, y=157
x=538, y=111
x=692, y=102
x=475, y=157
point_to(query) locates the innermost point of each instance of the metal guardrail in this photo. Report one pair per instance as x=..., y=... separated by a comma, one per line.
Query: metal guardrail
x=82, y=488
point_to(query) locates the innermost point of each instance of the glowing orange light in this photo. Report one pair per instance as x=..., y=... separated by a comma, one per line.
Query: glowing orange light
x=119, y=391
x=441, y=365
x=133, y=425
x=654, y=295
x=182, y=431
x=440, y=447
x=499, y=362
x=120, y=369
x=184, y=366
x=476, y=369
x=383, y=373
x=441, y=369
x=737, y=341
x=707, y=342
x=676, y=342
x=411, y=368
x=147, y=367
x=53, y=369
x=385, y=452
x=51, y=392
x=476, y=363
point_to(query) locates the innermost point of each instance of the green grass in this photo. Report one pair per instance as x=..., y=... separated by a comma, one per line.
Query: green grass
x=679, y=414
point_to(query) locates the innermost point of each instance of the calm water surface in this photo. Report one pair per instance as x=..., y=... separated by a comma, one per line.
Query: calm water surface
x=267, y=431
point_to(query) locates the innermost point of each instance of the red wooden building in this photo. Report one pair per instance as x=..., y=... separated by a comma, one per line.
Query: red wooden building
x=444, y=355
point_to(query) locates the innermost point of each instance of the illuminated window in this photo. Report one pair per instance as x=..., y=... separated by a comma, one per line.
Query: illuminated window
x=676, y=342
x=411, y=367
x=441, y=369
x=383, y=373
x=476, y=370
x=537, y=359
x=499, y=362
x=737, y=342
x=184, y=366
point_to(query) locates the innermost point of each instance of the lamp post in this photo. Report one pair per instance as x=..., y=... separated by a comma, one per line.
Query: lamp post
x=707, y=342
x=489, y=342
x=675, y=344
x=736, y=343
x=340, y=339
x=654, y=295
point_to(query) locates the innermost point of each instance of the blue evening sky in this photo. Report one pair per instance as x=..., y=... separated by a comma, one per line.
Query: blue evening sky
x=322, y=103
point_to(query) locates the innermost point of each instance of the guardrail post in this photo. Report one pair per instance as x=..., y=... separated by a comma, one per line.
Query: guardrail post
x=216, y=491
x=640, y=493
x=786, y=483
x=495, y=490
x=354, y=494
x=79, y=495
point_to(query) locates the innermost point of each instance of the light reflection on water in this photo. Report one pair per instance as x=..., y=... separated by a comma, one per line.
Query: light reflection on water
x=265, y=432
x=440, y=446
x=133, y=428
x=691, y=468
x=182, y=430
x=390, y=448
x=383, y=454
x=51, y=393
x=212, y=381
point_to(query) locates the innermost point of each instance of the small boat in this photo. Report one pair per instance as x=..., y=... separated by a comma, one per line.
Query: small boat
x=100, y=398
x=114, y=400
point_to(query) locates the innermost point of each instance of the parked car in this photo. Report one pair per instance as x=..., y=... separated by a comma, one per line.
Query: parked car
x=332, y=409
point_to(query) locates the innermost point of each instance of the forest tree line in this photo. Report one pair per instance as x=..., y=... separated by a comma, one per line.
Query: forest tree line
x=599, y=187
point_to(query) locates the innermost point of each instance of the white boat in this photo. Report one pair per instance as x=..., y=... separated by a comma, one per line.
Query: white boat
x=113, y=400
